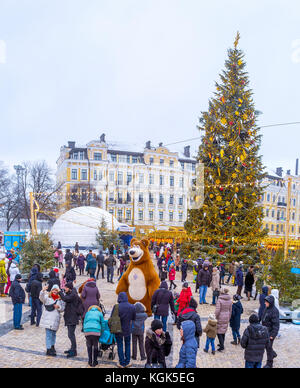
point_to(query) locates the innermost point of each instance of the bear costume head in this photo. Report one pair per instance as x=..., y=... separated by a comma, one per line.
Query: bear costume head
x=138, y=251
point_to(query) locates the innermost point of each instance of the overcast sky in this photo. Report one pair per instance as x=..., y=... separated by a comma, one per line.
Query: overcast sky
x=140, y=70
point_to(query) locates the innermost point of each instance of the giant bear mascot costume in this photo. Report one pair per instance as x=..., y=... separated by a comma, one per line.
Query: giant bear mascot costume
x=141, y=280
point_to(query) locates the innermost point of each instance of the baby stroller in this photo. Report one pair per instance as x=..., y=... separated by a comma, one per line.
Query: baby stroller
x=107, y=342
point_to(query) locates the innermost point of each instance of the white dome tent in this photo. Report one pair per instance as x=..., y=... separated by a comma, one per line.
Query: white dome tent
x=81, y=225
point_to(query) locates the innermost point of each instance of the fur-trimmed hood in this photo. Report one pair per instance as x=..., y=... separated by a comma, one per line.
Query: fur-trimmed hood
x=155, y=338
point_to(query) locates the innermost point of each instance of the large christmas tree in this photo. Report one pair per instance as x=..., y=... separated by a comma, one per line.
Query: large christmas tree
x=229, y=225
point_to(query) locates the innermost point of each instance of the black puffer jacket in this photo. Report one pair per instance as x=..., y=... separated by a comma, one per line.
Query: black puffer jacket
x=163, y=298
x=72, y=300
x=203, y=278
x=190, y=314
x=17, y=293
x=52, y=280
x=157, y=348
x=270, y=317
x=254, y=341
x=36, y=286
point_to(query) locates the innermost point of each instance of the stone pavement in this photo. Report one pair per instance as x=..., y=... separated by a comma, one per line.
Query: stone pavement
x=27, y=348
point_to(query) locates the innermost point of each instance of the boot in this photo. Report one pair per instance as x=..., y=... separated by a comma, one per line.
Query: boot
x=72, y=354
x=53, y=349
x=50, y=353
x=234, y=342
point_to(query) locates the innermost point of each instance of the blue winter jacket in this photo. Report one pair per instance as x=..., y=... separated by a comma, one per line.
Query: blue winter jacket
x=188, y=351
x=235, y=319
x=262, y=297
x=239, y=278
x=93, y=321
x=127, y=314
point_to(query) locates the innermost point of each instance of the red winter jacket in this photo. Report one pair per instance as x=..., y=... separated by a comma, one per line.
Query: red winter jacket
x=184, y=299
x=172, y=274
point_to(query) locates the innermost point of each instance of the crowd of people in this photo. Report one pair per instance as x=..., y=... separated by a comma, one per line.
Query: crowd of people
x=60, y=296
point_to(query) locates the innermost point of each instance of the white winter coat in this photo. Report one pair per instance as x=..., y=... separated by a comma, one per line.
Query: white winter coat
x=13, y=271
x=50, y=319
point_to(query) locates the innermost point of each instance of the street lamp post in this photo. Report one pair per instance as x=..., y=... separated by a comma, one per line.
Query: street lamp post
x=19, y=171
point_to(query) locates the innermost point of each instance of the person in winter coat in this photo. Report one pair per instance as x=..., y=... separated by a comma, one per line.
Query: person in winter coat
x=53, y=279
x=60, y=259
x=100, y=262
x=163, y=273
x=270, y=319
x=51, y=315
x=90, y=295
x=91, y=265
x=231, y=271
x=36, y=305
x=262, y=297
x=222, y=273
x=17, y=295
x=172, y=275
x=249, y=281
x=70, y=275
x=211, y=333
x=93, y=326
x=162, y=300
x=110, y=262
x=235, y=319
x=223, y=314
x=203, y=280
x=80, y=263
x=190, y=314
x=68, y=257
x=138, y=329
x=188, y=351
x=71, y=317
x=239, y=280
x=3, y=278
x=177, y=262
x=184, y=298
x=13, y=270
x=255, y=340
x=158, y=344
x=184, y=268
x=215, y=285
x=127, y=314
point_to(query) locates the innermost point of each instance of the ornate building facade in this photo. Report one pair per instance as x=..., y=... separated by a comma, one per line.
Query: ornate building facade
x=146, y=187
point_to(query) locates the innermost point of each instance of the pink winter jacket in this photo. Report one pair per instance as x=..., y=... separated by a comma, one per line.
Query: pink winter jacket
x=223, y=312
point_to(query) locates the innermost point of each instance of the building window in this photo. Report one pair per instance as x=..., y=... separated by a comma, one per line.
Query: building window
x=267, y=212
x=161, y=199
x=161, y=180
x=293, y=216
x=180, y=201
x=111, y=196
x=180, y=217
x=141, y=178
x=151, y=179
x=171, y=216
x=129, y=177
x=268, y=197
x=128, y=215
x=272, y=227
x=161, y=162
x=171, y=163
x=113, y=158
x=182, y=165
x=120, y=215
x=141, y=198
x=83, y=175
x=151, y=161
x=151, y=215
x=120, y=178
x=122, y=158
x=134, y=159
x=120, y=198
x=95, y=175
x=100, y=176
x=83, y=195
x=151, y=198
x=161, y=216
x=193, y=167
x=128, y=198
x=171, y=199
x=111, y=176
x=74, y=174
x=75, y=155
x=111, y=211
x=181, y=182
x=141, y=215
x=273, y=213
x=171, y=181
x=81, y=155
x=97, y=156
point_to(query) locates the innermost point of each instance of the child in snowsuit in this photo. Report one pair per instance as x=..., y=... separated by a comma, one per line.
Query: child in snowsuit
x=138, y=329
x=211, y=333
x=184, y=298
x=188, y=351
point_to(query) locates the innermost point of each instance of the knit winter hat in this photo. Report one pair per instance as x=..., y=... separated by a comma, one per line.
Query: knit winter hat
x=18, y=277
x=156, y=324
x=185, y=285
x=55, y=287
x=253, y=318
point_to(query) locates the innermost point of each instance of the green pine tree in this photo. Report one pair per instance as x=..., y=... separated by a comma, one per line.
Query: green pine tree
x=106, y=237
x=229, y=225
x=38, y=250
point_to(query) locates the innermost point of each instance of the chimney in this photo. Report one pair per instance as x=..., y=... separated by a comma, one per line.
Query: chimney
x=187, y=151
x=279, y=171
x=160, y=144
x=71, y=144
x=148, y=145
x=297, y=166
x=102, y=138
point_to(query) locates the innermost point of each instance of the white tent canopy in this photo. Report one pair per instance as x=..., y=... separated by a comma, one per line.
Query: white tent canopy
x=81, y=225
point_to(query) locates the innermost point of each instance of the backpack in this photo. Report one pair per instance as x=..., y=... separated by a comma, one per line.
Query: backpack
x=114, y=322
x=79, y=307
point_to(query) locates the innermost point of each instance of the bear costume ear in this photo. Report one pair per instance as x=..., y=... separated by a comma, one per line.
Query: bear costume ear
x=145, y=242
x=133, y=242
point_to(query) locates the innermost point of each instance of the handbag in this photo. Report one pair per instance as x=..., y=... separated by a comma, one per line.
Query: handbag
x=50, y=307
x=216, y=293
